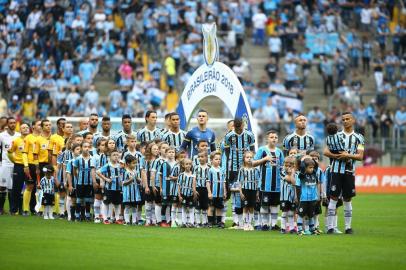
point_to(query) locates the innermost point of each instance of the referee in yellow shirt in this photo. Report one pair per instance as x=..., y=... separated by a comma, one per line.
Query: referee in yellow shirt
x=43, y=145
x=31, y=145
x=18, y=155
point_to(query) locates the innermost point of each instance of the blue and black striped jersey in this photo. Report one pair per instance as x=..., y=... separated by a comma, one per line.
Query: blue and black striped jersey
x=121, y=139
x=113, y=172
x=335, y=143
x=47, y=185
x=352, y=143
x=131, y=191
x=293, y=140
x=175, y=171
x=270, y=171
x=235, y=145
x=150, y=166
x=146, y=135
x=287, y=189
x=185, y=183
x=202, y=174
x=249, y=178
x=84, y=167
x=174, y=139
x=308, y=187
x=217, y=180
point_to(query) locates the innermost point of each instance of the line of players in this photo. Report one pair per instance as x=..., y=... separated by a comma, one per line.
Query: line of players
x=117, y=175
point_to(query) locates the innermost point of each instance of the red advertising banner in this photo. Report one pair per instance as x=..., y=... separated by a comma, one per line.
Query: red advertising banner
x=380, y=179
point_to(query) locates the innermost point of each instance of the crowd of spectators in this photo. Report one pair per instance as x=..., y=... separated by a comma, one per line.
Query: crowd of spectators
x=51, y=51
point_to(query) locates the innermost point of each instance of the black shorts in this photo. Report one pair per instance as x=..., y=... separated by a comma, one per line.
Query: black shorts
x=61, y=188
x=98, y=190
x=73, y=193
x=342, y=184
x=270, y=198
x=306, y=209
x=250, y=198
x=33, y=174
x=202, y=202
x=112, y=196
x=317, y=209
x=149, y=197
x=157, y=196
x=217, y=202
x=84, y=191
x=231, y=177
x=131, y=204
x=238, y=211
x=48, y=199
x=339, y=202
x=187, y=201
x=153, y=197
x=288, y=206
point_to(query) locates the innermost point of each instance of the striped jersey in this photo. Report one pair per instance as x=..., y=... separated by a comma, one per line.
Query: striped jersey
x=150, y=166
x=139, y=160
x=196, y=162
x=113, y=172
x=121, y=139
x=217, y=180
x=146, y=135
x=293, y=140
x=287, y=189
x=201, y=172
x=352, y=143
x=60, y=160
x=308, y=187
x=270, y=172
x=47, y=185
x=175, y=171
x=174, y=139
x=249, y=178
x=235, y=145
x=69, y=170
x=84, y=167
x=131, y=191
x=97, y=136
x=163, y=173
x=335, y=143
x=185, y=183
x=100, y=160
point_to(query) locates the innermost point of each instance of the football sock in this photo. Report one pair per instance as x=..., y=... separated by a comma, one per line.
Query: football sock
x=245, y=218
x=184, y=215
x=148, y=214
x=224, y=213
x=96, y=208
x=240, y=220
x=168, y=214
x=134, y=216
x=174, y=210
x=331, y=212
x=110, y=211
x=265, y=216
x=78, y=209
x=61, y=206
x=274, y=215
x=139, y=212
x=117, y=210
x=127, y=214
x=311, y=224
x=87, y=209
x=316, y=221
x=211, y=219
x=204, y=217
x=50, y=214
x=299, y=223
x=291, y=220
x=68, y=207
x=158, y=214
x=26, y=200
x=283, y=220
x=219, y=219
x=347, y=214
x=197, y=216
x=191, y=215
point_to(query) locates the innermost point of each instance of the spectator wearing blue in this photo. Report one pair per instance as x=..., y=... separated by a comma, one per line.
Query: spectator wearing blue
x=87, y=71
x=400, y=120
x=372, y=118
x=382, y=33
x=326, y=68
x=391, y=62
x=306, y=59
x=366, y=55
x=401, y=90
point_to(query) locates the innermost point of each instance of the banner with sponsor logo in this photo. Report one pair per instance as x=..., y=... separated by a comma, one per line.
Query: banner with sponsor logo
x=380, y=179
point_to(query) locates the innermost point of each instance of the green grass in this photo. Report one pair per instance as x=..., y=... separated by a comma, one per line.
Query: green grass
x=379, y=242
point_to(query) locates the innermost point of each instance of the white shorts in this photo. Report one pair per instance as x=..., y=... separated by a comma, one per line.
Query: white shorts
x=6, y=177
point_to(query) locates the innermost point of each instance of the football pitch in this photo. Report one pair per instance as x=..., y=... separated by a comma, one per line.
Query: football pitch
x=379, y=242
